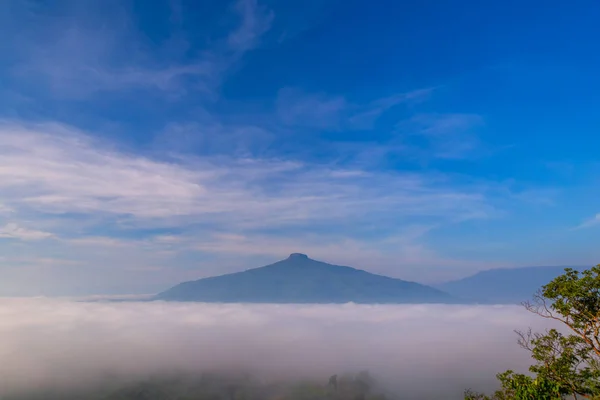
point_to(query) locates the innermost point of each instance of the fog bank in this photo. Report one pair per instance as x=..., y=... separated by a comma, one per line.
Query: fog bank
x=418, y=350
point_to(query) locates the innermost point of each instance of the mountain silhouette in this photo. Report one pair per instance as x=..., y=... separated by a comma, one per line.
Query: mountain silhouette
x=300, y=279
x=503, y=285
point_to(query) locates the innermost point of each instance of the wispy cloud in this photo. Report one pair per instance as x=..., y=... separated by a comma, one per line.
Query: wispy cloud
x=316, y=110
x=5, y=209
x=94, y=195
x=255, y=21
x=594, y=221
x=85, y=52
x=436, y=125
x=367, y=115
x=55, y=169
x=296, y=107
x=449, y=136
x=208, y=135
x=14, y=231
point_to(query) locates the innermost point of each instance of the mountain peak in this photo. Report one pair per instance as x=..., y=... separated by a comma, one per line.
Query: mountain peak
x=298, y=256
x=300, y=279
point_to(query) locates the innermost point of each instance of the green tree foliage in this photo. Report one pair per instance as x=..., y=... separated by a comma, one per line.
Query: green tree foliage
x=566, y=365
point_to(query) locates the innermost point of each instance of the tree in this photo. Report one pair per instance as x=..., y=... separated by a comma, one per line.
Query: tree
x=565, y=364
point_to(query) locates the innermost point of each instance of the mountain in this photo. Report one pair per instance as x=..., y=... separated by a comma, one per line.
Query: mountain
x=505, y=286
x=299, y=279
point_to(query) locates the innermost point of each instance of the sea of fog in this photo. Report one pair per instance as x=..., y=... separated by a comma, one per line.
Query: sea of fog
x=422, y=351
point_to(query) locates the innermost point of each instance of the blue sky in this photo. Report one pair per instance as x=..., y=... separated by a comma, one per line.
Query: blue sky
x=145, y=143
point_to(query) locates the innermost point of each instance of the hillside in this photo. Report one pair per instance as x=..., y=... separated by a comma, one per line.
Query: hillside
x=299, y=279
x=505, y=286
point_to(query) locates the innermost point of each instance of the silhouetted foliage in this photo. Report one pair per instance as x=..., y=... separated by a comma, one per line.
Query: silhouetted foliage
x=215, y=387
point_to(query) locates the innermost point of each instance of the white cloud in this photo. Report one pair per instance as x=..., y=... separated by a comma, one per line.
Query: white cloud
x=14, y=231
x=595, y=220
x=53, y=169
x=400, y=345
x=56, y=170
x=100, y=241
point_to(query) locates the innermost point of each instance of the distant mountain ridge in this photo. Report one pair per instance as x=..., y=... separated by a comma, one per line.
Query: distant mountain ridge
x=300, y=279
x=503, y=286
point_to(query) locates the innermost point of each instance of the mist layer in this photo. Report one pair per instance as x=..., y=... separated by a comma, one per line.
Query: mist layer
x=415, y=350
